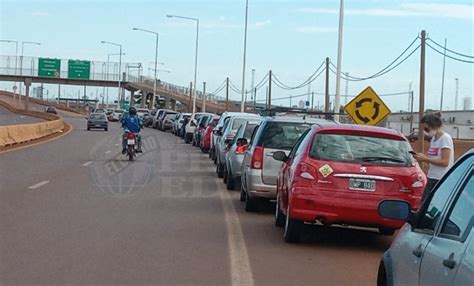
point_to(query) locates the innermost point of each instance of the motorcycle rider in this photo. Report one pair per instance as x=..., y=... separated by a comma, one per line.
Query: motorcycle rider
x=131, y=123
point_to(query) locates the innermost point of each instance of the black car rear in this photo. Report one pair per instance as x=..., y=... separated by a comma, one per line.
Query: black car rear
x=97, y=121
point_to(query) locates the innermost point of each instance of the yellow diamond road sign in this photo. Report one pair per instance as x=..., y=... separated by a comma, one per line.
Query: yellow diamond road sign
x=367, y=108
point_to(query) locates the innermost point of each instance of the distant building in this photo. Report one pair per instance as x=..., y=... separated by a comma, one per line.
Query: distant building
x=459, y=124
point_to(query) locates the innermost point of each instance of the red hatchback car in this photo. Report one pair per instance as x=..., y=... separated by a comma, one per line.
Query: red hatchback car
x=339, y=174
x=205, y=143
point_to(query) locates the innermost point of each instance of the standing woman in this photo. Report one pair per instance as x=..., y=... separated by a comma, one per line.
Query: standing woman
x=440, y=154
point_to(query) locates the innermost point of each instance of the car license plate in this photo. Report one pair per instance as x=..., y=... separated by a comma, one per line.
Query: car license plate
x=97, y=125
x=130, y=142
x=362, y=184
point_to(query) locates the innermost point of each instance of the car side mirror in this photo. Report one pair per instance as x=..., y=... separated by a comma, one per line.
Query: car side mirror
x=228, y=140
x=280, y=156
x=396, y=210
x=242, y=142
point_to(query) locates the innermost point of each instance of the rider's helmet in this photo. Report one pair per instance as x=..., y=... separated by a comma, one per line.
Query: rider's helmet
x=132, y=111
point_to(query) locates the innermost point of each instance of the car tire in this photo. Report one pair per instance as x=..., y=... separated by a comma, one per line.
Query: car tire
x=224, y=173
x=230, y=181
x=220, y=171
x=88, y=129
x=382, y=275
x=387, y=231
x=186, y=139
x=242, y=193
x=293, y=228
x=106, y=129
x=279, y=216
x=251, y=204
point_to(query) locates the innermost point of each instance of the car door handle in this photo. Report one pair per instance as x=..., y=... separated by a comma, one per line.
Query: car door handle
x=418, y=251
x=450, y=262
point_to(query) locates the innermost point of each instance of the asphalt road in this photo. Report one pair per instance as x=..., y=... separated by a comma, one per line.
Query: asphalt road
x=74, y=212
x=8, y=118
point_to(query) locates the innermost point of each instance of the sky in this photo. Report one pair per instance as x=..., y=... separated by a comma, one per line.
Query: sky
x=291, y=38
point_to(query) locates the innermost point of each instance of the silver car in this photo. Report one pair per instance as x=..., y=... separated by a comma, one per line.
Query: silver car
x=235, y=154
x=231, y=124
x=260, y=170
x=436, y=246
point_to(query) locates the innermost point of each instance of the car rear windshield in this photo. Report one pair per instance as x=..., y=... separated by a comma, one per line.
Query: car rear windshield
x=170, y=116
x=97, y=116
x=360, y=149
x=282, y=135
x=118, y=111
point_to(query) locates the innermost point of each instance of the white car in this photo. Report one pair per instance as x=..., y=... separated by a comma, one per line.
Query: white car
x=116, y=114
x=188, y=137
x=141, y=112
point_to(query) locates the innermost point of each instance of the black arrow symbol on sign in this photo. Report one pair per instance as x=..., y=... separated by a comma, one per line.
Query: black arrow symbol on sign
x=360, y=102
x=362, y=118
x=377, y=110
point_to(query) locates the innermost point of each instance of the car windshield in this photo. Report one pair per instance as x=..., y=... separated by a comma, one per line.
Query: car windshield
x=282, y=135
x=170, y=116
x=360, y=149
x=97, y=116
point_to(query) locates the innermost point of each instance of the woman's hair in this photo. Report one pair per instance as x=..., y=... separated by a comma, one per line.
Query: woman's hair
x=433, y=120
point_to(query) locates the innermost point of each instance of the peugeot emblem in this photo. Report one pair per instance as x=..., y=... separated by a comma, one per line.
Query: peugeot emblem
x=363, y=169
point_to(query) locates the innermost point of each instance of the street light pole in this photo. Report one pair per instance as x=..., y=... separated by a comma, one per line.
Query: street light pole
x=195, y=57
x=107, y=71
x=16, y=60
x=156, y=62
x=339, y=62
x=120, y=71
x=242, y=104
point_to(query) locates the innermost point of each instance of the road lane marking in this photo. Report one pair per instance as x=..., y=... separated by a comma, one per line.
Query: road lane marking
x=108, y=152
x=87, y=163
x=241, y=272
x=39, y=185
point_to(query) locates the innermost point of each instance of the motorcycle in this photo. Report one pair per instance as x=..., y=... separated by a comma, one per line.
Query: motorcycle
x=132, y=145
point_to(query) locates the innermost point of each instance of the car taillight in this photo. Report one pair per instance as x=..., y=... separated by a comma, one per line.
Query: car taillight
x=257, y=158
x=306, y=171
x=131, y=136
x=418, y=181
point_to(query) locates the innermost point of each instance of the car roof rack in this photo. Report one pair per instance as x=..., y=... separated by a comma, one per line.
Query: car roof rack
x=286, y=111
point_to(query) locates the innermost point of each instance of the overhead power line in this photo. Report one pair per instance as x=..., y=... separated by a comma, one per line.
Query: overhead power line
x=448, y=56
x=451, y=51
x=312, y=78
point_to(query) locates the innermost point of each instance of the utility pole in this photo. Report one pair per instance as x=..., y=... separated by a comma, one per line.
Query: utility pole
x=227, y=94
x=191, y=95
x=347, y=88
x=312, y=101
x=204, y=97
x=421, y=135
x=442, y=79
x=456, y=97
x=270, y=89
x=253, y=84
x=326, y=93
x=242, y=104
x=410, y=102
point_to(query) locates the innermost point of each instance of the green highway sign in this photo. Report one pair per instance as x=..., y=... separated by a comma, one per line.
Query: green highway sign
x=49, y=67
x=79, y=69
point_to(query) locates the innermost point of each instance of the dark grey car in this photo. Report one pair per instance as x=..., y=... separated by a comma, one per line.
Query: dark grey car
x=97, y=121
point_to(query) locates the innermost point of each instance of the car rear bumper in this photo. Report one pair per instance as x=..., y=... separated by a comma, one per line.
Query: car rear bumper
x=101, y=125
x=256, y=187
x=332, y=207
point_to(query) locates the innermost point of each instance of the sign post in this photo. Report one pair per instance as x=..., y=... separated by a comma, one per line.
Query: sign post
x=367, y=108
x=78, y=69
x=49, y=67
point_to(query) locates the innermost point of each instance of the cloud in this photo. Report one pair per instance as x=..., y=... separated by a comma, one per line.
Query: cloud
x=263, y=23
x=435, y=10
x=39, y=14
x=314, y=29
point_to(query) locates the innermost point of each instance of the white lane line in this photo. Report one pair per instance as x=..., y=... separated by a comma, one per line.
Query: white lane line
x=241, y=272
x=39, y=185
x=117, y=144
x=108, y=152
x=87, y=163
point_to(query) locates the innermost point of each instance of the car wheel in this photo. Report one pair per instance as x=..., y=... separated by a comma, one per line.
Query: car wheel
x=230, y=181
x=251, y=204
x=88, y=129
x=224, y=172
x=220, y=171
x=382, y=275
x=186, y=139
x=293, y=228
x=386, y=231
x=279, y=216
x=242, y=194
x=106, y=129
